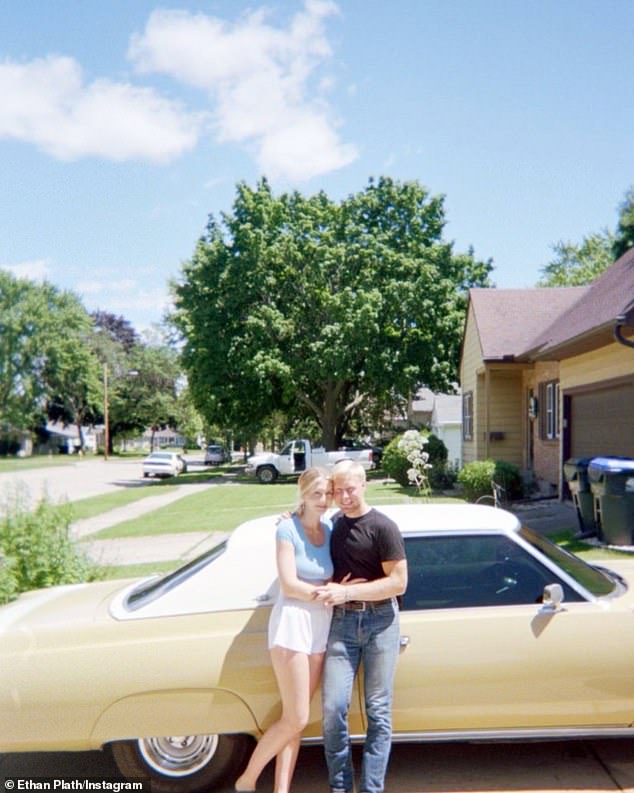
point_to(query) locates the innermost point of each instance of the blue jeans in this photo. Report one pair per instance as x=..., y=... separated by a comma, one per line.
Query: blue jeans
x=371, y=637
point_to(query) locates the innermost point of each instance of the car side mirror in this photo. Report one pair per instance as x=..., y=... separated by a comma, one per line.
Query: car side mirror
x=552, y=598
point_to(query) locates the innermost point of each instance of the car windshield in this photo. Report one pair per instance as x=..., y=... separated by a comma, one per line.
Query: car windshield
x=596, y=581
x=150, y=590
x=160, y=456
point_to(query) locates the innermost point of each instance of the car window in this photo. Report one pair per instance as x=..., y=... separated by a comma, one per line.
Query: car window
x=150, y=590
x=469, y=571
x=594, y=580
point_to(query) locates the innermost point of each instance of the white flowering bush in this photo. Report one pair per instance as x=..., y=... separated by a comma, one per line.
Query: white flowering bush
x=412, y=443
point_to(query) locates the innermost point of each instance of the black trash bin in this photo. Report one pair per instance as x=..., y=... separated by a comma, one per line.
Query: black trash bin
x=612, y=485
x=576, y=473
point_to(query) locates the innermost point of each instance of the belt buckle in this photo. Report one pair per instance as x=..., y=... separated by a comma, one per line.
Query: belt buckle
x=357, y=605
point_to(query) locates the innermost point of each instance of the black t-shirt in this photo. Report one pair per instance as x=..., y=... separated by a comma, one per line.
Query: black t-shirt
x=359, y=545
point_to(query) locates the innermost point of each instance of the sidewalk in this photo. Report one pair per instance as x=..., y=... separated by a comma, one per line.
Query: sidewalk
x=146, y=549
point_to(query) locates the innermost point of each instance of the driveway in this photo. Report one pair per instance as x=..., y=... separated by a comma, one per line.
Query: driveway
x=552, y=767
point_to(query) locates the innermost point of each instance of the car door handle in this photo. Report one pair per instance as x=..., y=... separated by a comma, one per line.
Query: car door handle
x=403, y=641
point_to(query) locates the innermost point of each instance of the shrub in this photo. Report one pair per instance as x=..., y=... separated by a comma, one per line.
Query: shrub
x=396, y=465
x=37, y=549
x=476, y=478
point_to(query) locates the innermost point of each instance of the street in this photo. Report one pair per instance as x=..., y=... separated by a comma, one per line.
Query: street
x=80, y=479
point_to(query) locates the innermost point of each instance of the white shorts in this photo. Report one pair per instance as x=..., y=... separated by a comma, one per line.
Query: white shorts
x=299, y=625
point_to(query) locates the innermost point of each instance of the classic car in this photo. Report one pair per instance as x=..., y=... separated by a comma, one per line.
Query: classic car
x=504, y=635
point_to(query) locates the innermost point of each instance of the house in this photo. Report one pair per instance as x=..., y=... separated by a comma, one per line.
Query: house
x=60, y=438
x=417, y=413
x=446, y=424
x=548, y=374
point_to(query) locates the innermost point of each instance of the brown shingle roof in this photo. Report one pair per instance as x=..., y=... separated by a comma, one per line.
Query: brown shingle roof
x=610, y=295
x=509, y=319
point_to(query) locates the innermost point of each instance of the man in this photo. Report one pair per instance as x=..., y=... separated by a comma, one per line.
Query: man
x=370, y=571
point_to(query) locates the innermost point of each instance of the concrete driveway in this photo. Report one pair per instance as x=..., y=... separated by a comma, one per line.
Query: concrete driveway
x=554, y=767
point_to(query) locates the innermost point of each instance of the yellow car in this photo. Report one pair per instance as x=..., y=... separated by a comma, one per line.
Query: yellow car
x=504, y=635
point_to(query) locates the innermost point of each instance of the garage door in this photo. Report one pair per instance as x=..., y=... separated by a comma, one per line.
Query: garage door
x=602, y=422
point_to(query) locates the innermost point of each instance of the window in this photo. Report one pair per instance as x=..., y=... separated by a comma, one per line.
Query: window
x=549, y=400
x=467, y=416
x=478, y=570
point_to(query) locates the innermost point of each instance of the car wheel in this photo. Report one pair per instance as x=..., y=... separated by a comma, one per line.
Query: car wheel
x=267, y=474
x=182, y=763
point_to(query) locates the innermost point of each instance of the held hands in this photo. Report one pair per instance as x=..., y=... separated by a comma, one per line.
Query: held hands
x=333, y=594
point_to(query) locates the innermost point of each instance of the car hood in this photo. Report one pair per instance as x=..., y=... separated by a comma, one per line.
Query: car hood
x=258, y=459
x=59, y=606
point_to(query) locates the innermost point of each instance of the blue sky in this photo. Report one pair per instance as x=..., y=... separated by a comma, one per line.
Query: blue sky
x=124, y=123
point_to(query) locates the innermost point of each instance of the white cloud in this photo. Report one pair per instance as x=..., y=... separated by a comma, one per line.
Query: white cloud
x=259, y=77
x=45, y=102
x=36, y=270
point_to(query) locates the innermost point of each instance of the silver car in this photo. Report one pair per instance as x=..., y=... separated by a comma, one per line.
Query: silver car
x=215, y=454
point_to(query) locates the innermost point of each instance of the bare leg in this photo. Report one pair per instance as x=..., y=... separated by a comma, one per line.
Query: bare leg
x=287, y=758
x=297, y=677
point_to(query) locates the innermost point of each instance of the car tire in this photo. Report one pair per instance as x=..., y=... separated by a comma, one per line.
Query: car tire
x=182, y=764
x=267, y=474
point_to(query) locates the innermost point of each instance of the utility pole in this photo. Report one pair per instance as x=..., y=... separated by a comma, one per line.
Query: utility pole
x=106, y=427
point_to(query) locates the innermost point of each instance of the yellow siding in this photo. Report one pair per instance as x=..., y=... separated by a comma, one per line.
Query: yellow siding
x=606, y=363
x=506, y=415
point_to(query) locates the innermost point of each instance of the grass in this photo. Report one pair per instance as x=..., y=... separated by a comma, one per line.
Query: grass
x=16, y=464
x=585, y=550
x=96, y=505
x=225, y=507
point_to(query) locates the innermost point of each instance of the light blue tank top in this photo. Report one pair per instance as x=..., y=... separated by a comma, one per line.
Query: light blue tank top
x=313, y=562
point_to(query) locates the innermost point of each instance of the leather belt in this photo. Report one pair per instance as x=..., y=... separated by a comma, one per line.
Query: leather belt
x=362, y=605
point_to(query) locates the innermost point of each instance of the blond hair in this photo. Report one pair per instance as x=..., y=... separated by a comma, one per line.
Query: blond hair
x=309, y=480
x=346, y=468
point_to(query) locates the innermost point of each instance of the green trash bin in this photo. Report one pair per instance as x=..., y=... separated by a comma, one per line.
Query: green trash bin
x=576, y=473
x=612, y=485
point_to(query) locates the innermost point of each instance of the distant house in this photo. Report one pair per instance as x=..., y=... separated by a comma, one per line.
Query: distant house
x=442, y=413
x=418, y=412
x=446, y=424
x=62, y=438
x=544, y=377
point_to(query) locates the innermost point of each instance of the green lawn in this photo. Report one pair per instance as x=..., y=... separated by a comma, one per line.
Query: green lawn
x=96, y=505
x=16, y=464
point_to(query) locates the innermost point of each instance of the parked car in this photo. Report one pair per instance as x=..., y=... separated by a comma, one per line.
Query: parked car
x=215, y=454
x=504, y=636
x=299, y=455
x=164, y=464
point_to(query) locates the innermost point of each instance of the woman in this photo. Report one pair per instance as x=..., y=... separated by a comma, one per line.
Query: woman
x=298, y=627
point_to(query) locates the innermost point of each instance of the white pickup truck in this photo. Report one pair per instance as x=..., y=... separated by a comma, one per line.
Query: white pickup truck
x=299, y=455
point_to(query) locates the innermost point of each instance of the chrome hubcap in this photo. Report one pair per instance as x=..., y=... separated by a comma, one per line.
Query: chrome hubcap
x=178, y=755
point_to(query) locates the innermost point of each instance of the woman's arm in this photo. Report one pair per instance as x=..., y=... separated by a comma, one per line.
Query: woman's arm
x=393, y=583
x=290, y=584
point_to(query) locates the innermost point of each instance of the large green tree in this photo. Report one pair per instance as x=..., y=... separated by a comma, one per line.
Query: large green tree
x=142, y=374
x=45, y=362
x=577, y=264
x=315, y=307
x=72, y=372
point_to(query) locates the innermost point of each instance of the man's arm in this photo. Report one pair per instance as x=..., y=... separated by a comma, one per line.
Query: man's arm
x=392, y=584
